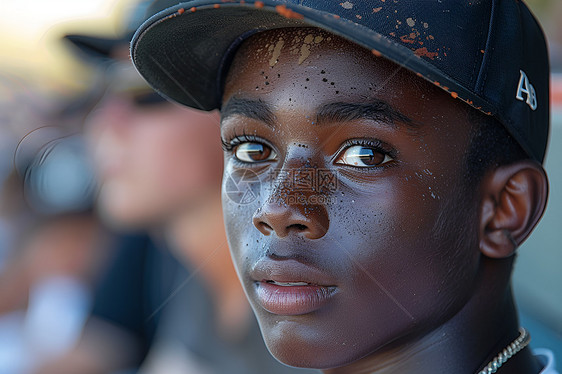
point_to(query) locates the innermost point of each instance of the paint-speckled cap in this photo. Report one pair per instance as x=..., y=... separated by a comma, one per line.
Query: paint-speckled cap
x=491, y=54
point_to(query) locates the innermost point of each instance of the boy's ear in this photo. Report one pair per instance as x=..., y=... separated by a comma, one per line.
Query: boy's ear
x=514, y=199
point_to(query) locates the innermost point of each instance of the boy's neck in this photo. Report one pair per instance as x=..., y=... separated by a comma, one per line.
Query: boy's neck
x=466, y=342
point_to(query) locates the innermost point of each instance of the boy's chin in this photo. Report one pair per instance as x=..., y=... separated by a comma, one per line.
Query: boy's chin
x=295, y=343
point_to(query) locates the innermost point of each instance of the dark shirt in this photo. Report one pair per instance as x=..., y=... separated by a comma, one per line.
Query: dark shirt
x=150, y=294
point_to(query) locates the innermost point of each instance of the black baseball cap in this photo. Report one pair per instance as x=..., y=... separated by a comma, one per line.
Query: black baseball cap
x=491, y=54
x=116, y=74
x=98, y=49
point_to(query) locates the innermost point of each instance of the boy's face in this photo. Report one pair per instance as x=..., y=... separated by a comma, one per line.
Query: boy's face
x=363, y=217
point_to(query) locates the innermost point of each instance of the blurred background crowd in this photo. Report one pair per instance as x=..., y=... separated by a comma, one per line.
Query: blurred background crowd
x=113, y=257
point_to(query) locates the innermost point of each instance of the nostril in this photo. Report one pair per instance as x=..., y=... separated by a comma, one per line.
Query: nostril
x=265, y=228
x=298, y=226
x=284, y=220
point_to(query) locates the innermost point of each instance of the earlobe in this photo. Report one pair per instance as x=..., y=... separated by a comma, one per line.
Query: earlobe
x=514, y=199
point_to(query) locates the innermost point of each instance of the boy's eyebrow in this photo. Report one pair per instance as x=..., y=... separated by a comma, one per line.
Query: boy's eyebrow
x=251, y=108
x=376, y=110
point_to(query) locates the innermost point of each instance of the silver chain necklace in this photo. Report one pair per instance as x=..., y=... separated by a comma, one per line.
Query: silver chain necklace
x=518, y=344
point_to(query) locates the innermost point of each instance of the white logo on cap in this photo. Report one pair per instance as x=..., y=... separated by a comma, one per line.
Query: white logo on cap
x=525, y=87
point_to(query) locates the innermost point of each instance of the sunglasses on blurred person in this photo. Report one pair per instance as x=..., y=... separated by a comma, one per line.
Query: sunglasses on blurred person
x=123, y=80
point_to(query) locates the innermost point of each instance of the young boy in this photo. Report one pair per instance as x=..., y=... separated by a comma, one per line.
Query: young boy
x=397, y=147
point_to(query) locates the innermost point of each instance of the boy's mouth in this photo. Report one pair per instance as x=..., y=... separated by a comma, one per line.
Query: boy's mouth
x=290, y=287
x=292, y=298
x=288, y=284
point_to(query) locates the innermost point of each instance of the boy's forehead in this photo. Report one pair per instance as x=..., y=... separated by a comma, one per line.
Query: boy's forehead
x=311, y=72
x=273, y=58
x=302, y=48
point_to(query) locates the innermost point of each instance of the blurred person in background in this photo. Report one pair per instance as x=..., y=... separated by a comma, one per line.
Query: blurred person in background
x=46, y=286
x=54, y=243
x=159, y=167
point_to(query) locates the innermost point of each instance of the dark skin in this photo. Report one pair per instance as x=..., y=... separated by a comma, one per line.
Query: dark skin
x=407, y=267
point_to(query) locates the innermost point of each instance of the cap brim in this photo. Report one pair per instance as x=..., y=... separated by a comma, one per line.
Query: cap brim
x=182, y=52
x=96, y=49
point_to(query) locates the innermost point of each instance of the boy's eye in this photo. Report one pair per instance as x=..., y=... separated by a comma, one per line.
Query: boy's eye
x=253, y=152
x=363, y=157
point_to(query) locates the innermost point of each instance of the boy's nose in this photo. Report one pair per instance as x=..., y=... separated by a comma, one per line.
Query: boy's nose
x=310, y=221
x=296, y=203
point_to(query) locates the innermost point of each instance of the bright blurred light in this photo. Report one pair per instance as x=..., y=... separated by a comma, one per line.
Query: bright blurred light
x=31, y=32
x=36, y=16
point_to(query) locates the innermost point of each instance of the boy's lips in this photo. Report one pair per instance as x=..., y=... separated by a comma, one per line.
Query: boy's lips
x=289, y=287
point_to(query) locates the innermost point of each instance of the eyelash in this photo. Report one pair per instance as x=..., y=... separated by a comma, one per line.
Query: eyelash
x=377, y=145
x=229, y=145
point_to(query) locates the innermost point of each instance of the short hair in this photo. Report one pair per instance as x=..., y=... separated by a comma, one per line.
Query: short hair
x=490, y=147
